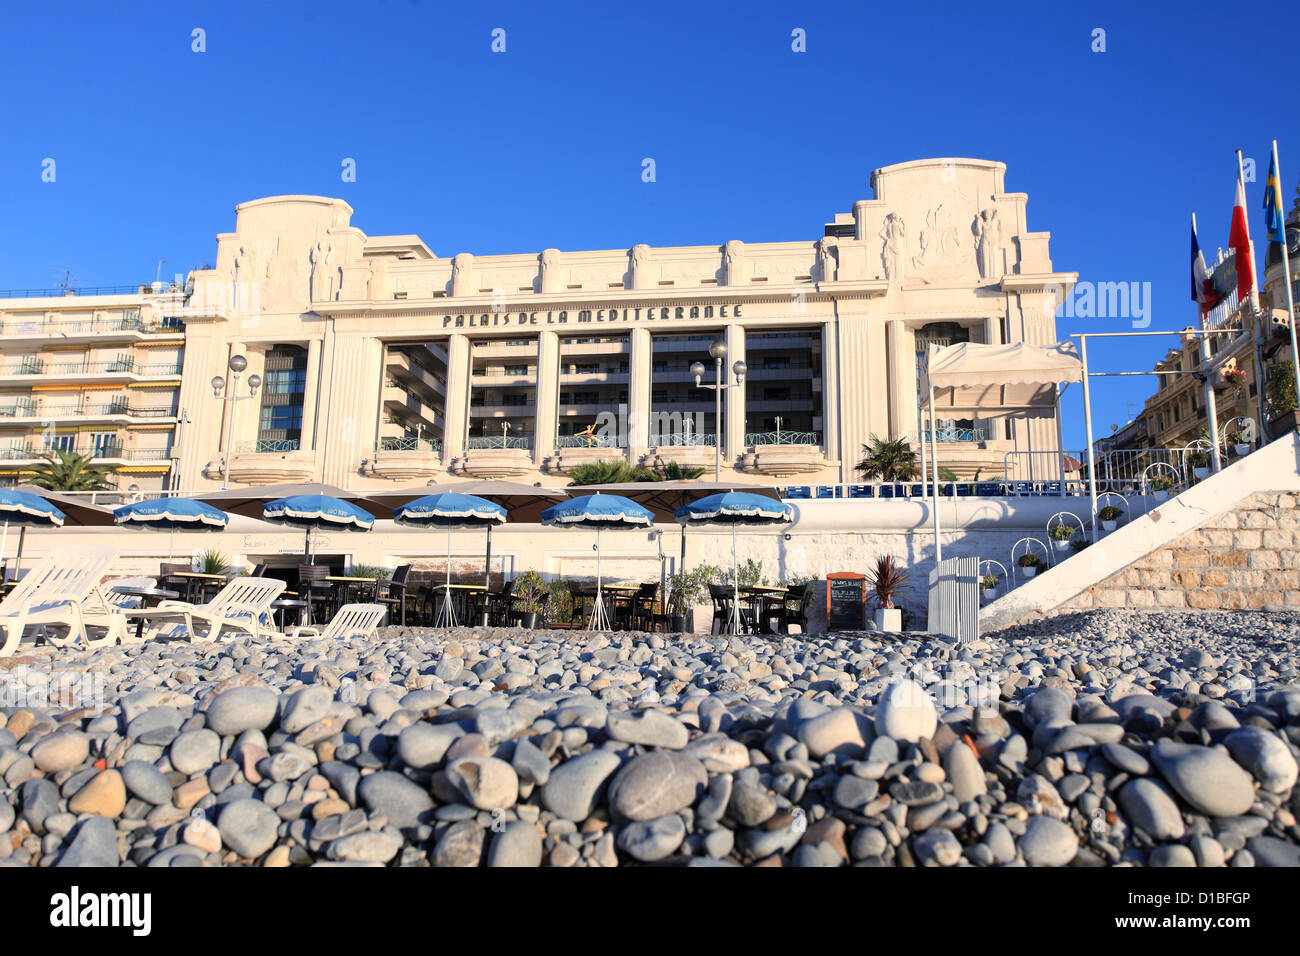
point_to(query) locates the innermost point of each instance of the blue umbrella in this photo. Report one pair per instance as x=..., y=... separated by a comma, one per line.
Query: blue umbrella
x=598, y=512
x=735, y=508
x=449, y=510
x=311, y=512
x=169, y=514
x=24, y=508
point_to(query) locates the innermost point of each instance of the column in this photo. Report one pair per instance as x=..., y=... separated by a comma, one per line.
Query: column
x=548, y=392
x=638, y=392
x=352, y=365
x=198, y=439
x=865, y=399
x=830, y=390
x=735, y=397
x=901, y=377
x=993, y=331
x=457, y=407
x=311, y=400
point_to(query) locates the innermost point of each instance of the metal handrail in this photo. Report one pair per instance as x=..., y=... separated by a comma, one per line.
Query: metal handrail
x=783, y=438
x=683, y=441
x=484, y=442
x=408, y=443
x=80, y=290
x=268, y=445
x=587, y=441
x=955, y=434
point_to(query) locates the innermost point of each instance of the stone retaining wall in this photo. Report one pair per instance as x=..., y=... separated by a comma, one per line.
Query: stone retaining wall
x=1248, y=557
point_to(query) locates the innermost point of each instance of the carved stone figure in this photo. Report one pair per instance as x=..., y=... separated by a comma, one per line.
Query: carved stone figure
x=733, y=262
x=640, y=266
x=826, y=258
x=462, y=274
x=322, y=284
x=550, y=278
x=988, y=243
x=942, y=252
x=894, y=232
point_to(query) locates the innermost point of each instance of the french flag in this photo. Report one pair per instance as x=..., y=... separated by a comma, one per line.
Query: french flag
x=1239, y=240
x=1202, y=286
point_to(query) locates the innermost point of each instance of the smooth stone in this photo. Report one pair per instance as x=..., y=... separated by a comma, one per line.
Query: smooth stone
x=837, y=731
x=62, y=751
x=424, y=745
x=937, y=847
x=1126, y=759
x=94, y=843
x=518, y=844
x=1271, y=851
x=399, y=799
x=461, y=845
x=530, y=763
x=574, y=785
x=241, y=708
x=195, y=751
x=1149, y=806
x=1047, y=703
x=1206, y=778
x=1048, y=842
x=905, y=712
x=147, y=782
x=375, y=846
x=750, y=804
x=964, y=772
x=305, y=707
x=486, y=782
x=1267, y=758
x=652, y=840
x=104, y=795
x=655, y=784
x=248, y=827
x=649, y=728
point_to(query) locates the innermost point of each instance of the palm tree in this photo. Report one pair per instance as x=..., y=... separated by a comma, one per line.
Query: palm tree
x=676, y=471
x=606, y=473
x=888, y=459
x=68, y=471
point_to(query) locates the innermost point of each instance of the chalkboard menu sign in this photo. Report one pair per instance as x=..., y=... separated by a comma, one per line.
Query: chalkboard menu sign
x=846, y=601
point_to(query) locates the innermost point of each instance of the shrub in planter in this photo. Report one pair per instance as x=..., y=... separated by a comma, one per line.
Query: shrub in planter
x=989, y=586
x=1061, y=536
x=1029, y=564
x=1240, y=443
x=1200, y=462
x=1160, y=487
x=1108, y=516
x=529, y=598
x=887, y=579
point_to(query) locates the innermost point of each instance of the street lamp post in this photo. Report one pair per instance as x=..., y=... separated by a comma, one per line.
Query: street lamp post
x=237, y=364
x=718, y=351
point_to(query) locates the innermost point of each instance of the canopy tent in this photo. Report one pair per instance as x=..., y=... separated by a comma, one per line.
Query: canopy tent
x=972, y=365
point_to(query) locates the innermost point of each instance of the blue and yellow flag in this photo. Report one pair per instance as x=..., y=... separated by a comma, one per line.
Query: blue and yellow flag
x=1273, y=202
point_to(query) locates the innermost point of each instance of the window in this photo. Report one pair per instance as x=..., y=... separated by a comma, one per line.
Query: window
x=284, y=383
x=659, y=365
x=103, y=444
x=783, y=362
x=64, y=442
x=516, y=370
x=776, y=394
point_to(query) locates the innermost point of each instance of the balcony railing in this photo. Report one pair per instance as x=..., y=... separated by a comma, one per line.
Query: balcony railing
x=268, y=446
x=60, y=293
x=409, y=444
x=683, y=441
x=783, y=438
x=42, y=410
x=955, y=434
x=92, y=451
x=587, y=441
x=498, y=441
x=123, y=363
x=126, y=322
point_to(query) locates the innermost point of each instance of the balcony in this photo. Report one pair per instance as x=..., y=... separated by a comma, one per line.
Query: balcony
x=266, y=461
x=495, y=456
x=783, y=438
x=100, y=453
x=102, y=411
x=405, y=458
x=122, y=367
x=86, y=329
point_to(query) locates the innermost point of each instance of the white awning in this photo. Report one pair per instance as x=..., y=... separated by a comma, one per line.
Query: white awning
x=971, y=365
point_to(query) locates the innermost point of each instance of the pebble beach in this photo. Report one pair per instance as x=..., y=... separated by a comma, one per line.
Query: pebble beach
x=1096, y=739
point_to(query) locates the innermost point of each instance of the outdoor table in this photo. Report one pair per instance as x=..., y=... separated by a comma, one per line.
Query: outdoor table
x=284, y=604
x=345, y=585
x=619, y=596
x=760, y=598
x=201, y=582
x=144, y=594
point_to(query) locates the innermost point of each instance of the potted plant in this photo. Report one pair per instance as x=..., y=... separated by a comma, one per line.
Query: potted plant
x=1280, y=386
x=689, y=591
x=1160, y=487
x=1061, y=536
x=1240, y=443
x=213, y=561
x=1029, y=564
x=529, y=597
x=676, y=607
x=1109, y=517
x=989, y=586
x=888, y=579
x=1200, y=462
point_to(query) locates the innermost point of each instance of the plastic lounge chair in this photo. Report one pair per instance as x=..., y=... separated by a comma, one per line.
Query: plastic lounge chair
x=63, y=591
x=244, y=604
x=352, y=620
x=125, y=601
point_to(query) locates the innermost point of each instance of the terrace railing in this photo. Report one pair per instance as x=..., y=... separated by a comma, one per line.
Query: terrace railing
x=587, y=441
x=407, y=443
x=486, y=442
x=783, y=438
x=267, y=446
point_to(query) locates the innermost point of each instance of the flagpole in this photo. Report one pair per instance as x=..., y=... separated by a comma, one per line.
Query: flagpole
x=1286, y=278
x=1207, y=367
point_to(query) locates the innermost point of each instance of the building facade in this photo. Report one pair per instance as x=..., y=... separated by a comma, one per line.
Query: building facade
x=313, y=351
x=92, y=372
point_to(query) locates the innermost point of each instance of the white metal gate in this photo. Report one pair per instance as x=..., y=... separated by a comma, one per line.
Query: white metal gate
x=954, y=599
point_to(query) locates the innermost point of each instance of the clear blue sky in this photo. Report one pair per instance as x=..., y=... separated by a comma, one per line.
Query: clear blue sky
x=542, y=146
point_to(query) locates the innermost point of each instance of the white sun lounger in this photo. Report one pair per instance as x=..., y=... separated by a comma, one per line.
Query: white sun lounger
x=352, y=620
x=244, y=605
x=63, y=591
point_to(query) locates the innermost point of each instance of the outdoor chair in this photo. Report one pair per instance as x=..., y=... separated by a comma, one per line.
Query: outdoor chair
x=63, y=591
x=643, y=606
x=351, y=620
x=793, y=609
x=392, y=594
x=315, y=590
x=244, y=604
x=501, y=605
x=723, y=598
x=126, y=601
x=168, y=575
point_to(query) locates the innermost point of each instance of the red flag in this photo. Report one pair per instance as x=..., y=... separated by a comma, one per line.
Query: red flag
x=1239, y=240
